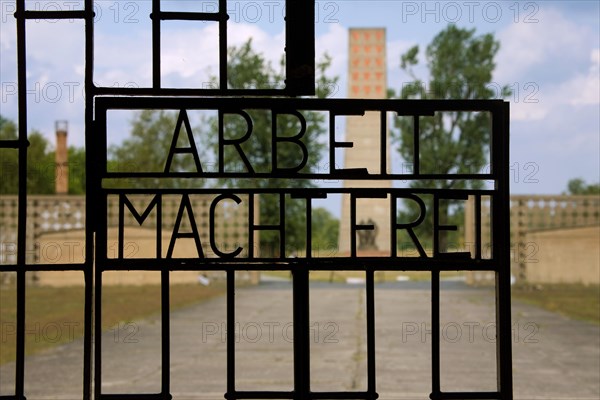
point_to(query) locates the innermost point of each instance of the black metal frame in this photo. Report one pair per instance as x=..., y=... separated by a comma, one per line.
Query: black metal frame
x=100, y=100
x=300, y=267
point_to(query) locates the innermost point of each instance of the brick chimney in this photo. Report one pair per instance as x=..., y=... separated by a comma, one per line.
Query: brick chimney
x=62, y=158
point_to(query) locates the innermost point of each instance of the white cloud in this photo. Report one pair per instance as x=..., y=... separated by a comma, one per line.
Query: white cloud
x=527, y=47
x=536, y=102
x=585, y=89
x=189, y=55
x=45, y=50
x=122, y=60
x=549, y=65
x=527, y=111
x=396, y=77
x=186, y=52
x=270, y=46
x=7, y=35
x=334, y=42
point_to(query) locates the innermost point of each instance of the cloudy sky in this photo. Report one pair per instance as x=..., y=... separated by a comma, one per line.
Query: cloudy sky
x=549, y=56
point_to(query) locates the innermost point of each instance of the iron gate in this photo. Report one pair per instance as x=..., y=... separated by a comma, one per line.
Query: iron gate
x=300, y=81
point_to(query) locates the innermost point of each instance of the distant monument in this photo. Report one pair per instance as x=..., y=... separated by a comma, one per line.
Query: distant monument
x=367, y=79
x=61, y=158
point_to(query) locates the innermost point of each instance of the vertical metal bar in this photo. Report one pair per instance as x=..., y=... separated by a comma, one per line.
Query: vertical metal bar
x=156, y=44
x=352, y=225
x=501, y=248
x=98, y=333
x=274, y=142
x=87, y=324
x=223, y=17
x=96, y=170
x=281, y=225
x=371, y=366
x=90, y=198
x=416, y=143
x=231, y=333
x=435, y=334
x=221, y=146
x=393, y=222
x=22, y=200
x=435, y=311
x=300, y=47
x=309, y=228
x=383, y=143
x=95, y=200
x=165, y=333
x=20, y=341
x=159, y=227
x=331, y=141
x=301, y=322
x=477, y=227
x=251, y=242
x=121, y=227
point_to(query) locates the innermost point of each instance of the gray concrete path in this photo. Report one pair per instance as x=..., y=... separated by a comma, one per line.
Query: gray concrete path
x=554, y=357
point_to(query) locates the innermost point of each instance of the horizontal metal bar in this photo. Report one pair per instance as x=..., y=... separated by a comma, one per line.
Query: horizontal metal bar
x=296, y=192
x=313, y=264
x=72, y=14
x=208, y=91
x=258, y=395
x=343, y=395
x=149, y=396
x=189, y=16
x=466, y=395
x=341, y=106
x=13, y=144
x=339, y=174
x=310, y=395
x=43, y=267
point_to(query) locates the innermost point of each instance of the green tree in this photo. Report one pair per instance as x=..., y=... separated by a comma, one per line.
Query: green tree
x=8, y=159
x=76, y=170
x=578, y=186
x=147, y=148
x=460, y=66
x=247, y=68
x=40, y=162
x=41, y=165
x=325, y=231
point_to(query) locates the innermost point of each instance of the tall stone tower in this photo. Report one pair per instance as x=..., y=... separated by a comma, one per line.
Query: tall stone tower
x=367, y=79
x=61, y=158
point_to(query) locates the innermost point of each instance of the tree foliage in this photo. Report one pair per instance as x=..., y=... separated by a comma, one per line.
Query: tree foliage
x=76, y=161
x=9, y=164
x=578, y=186
x=152, y=135
x=247, y=68
x=460, y=66
x=41, y=165
x=325, y=231
x=147, y=147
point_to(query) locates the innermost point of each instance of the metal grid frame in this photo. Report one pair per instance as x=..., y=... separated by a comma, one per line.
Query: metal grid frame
x=300, y=267
x=95, y=108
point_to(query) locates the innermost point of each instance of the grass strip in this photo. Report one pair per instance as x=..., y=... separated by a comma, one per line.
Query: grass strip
x=576, y=301
x=54, y=315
